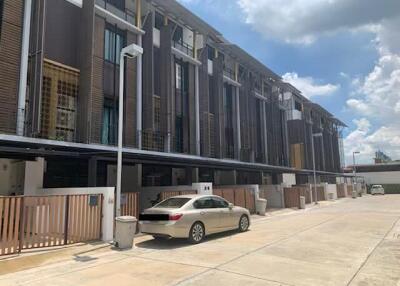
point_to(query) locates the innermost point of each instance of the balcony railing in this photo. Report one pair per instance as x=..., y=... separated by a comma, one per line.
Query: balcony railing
x=228, y=72
x=125, y=14
x=183, y=47
x=153, y=140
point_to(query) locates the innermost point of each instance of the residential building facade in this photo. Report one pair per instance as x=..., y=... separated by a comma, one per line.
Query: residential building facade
x=197, y=107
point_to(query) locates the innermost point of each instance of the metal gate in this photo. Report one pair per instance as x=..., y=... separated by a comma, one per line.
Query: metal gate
x=34, y=222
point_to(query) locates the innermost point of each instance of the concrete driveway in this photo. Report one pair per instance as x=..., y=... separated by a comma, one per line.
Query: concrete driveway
x=349, y=242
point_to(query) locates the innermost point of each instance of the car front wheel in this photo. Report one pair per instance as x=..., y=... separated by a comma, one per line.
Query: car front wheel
x=197, y=233
x=244, y=223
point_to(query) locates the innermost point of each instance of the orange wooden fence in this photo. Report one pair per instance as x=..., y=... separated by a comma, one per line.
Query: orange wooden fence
x=34, y=222
x=168, y=194
x=130, y=204
x=239, y=197
x=341, y=191
x=321, y=194
x=349, y=190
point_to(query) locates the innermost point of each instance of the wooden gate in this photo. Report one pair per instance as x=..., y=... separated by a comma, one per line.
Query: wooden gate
x=321, y=194
x=239, y=197
x=341, y=191
x=130, y=204
x=349, y=190
x=292, y=197
x=34, y=222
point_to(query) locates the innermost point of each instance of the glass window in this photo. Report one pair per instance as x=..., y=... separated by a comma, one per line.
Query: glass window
x=203, y=203
x=110, y=125
x=173, y=203
x=120, y=4
x=159, y=21
x=113, y=44
x=220, y=203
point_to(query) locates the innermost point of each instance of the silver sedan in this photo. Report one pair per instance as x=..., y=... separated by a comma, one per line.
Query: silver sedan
x=193, y=217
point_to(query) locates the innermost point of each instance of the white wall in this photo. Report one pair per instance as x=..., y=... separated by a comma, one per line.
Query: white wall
x=331, y=191
x=34, y=172
x=288, y=180
x=11, y=177
x=381, y=178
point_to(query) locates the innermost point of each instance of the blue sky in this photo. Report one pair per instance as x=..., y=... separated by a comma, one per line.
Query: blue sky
x=343, y=54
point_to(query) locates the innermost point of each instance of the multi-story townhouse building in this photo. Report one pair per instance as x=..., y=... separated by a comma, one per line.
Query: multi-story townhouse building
x=197, y=108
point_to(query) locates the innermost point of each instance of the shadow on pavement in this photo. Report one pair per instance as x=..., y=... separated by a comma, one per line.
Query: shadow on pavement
x=175, y=243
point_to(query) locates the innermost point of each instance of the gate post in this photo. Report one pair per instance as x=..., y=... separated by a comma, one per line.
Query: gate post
x=66, y=220
x=21, y=225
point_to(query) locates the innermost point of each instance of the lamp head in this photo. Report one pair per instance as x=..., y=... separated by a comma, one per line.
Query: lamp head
x=317, y=134
x=132, y=51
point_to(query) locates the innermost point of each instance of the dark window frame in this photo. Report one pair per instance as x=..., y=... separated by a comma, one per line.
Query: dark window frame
x=115, y=31
x=1, y=15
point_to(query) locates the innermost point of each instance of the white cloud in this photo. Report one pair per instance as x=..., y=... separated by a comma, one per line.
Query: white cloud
x=304, y=20
x=367, y=142
x=308, y=86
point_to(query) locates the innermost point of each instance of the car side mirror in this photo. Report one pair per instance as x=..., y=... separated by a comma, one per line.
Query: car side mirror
x=230, y=206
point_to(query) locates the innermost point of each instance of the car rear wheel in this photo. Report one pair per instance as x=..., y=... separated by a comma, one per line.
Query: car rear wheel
x=243, y=223
x=197, y=233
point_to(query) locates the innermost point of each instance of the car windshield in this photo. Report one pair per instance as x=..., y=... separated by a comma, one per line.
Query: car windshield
x=173, y=203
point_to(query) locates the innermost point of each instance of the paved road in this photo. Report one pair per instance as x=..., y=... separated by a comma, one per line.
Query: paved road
x=350, y=242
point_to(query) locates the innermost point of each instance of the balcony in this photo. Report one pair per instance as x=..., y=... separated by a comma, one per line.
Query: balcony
x=122, y=17
x=183, y=47
x=230, y=73
x=153, y=140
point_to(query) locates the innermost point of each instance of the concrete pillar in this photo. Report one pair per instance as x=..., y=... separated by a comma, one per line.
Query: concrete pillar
x=92, y=172
x=34, y=174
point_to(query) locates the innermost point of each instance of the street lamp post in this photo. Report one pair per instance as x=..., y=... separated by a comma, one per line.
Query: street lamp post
x=355, y=171
x=314, y=171
x=131, y=52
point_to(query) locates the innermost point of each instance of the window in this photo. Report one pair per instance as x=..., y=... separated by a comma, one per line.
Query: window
x=298, y=106
x=203, y=203
x=178, y=35
x=220, y=203
x=59, y=102
x=211, y=53
x=113, y=44
x=120, y=4
x=159, y=21
x=110, y=123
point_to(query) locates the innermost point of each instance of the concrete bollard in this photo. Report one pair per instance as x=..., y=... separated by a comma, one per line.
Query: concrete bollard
x=354, y=194
x=302, y=202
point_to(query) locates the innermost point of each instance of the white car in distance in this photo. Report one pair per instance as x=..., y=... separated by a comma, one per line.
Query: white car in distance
x=377, y=190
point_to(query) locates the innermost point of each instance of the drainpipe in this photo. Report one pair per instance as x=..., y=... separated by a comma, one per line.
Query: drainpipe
x=23, y=77
x=139, y=82
x=197, y=103
x=139, y=95
x=197, y=96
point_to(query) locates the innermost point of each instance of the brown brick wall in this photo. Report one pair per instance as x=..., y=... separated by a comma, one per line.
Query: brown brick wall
x=10, y=53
